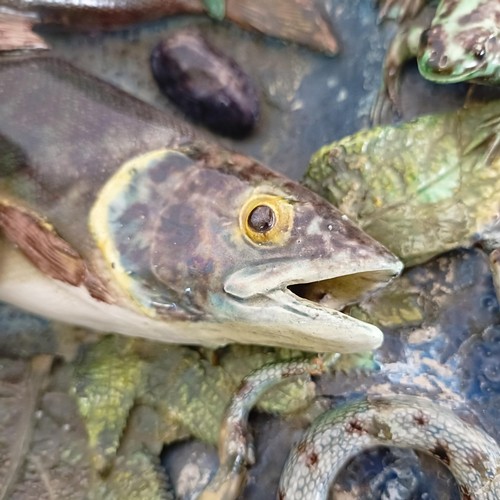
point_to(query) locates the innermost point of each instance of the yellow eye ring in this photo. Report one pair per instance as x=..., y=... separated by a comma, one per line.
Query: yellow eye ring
x=266, y=219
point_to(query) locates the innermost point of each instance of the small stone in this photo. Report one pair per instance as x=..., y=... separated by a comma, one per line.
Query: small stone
x=208, y=86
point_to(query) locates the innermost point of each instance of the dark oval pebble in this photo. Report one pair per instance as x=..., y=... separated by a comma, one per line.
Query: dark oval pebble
x=205, y=84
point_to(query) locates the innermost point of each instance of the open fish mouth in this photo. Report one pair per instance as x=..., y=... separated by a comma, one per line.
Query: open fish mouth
x=342, y=291
x=312, y=310
x=333, y=295
x=339, y=287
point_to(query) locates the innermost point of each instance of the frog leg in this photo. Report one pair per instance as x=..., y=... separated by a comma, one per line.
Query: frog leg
x=136, y=472
x=107, y=380
x=235, y=449
x=493, y=125
x=16, y=33
x=399, y=9
x=488, y=132
x=402, y=48
x=401, y=421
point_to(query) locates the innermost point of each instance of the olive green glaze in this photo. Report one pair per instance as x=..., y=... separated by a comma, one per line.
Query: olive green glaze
x=423, y=187
x=163, y=222
x=461, y=44
x=94, y=426
x=127, y=406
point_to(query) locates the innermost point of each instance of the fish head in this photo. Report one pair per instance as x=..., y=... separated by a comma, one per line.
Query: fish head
x=203, y=234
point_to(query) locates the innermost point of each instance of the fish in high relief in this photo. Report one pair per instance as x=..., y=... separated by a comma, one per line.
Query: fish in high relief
x=117, y=217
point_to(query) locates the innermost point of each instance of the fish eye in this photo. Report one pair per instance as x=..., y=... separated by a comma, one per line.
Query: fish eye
x=266, y=219
x=261, y=219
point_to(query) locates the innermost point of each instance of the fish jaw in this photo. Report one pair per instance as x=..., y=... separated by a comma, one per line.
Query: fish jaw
x=264, y=296
x=249, y=322
x=283, y=319
x=269, y=277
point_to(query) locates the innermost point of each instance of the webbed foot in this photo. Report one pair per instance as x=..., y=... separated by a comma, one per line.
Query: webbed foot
x=383, y=108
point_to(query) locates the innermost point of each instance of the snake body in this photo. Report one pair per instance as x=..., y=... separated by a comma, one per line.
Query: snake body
x=338, y=435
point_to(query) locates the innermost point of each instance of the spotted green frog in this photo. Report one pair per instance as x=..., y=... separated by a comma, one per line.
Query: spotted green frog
x=461, y=44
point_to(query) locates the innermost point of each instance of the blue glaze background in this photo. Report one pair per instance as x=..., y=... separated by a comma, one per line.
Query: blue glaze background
x=308, y=99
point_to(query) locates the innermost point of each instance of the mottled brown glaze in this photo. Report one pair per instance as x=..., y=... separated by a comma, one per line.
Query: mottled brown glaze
x=174, y=207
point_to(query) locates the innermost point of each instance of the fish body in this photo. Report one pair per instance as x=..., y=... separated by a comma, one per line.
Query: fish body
x=122, y=220
x=299, y=21
x=102, y=14
x=460, y=45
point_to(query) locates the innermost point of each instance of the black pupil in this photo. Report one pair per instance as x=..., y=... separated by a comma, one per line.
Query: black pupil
x=261, y=219
x=479, y=52
x=424, y=38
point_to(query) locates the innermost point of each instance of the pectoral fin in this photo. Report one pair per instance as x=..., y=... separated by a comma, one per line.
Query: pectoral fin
x=488, y=134
x=50, y=253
